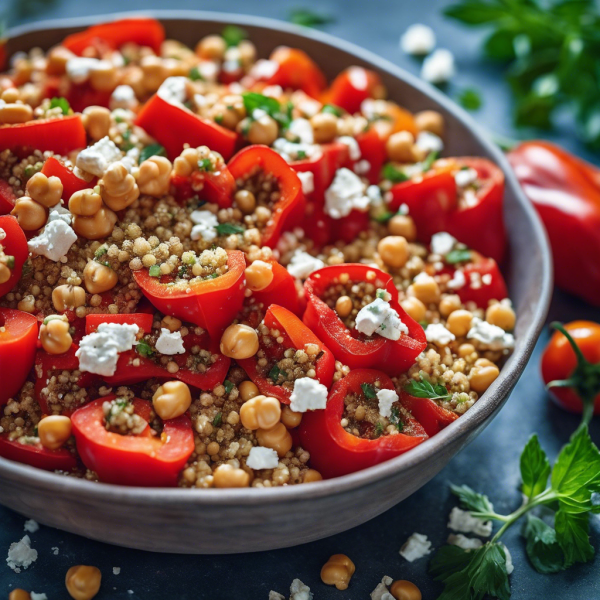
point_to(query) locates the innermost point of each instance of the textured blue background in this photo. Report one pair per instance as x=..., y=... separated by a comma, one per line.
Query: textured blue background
x=490, y=464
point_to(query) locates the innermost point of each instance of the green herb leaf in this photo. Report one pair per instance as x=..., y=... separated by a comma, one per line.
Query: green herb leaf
x=572, y=533
x=205, y=164
x=395, y=175
x=61, y=103
x=379, y=429
x=233, y=35
x=424, y=389
x=195, y=74
x=470, y=98
x=151, y=150
x=333, y=109
x=384, y=217
x=255, y=101
x=428, y=162
x=543, y=550
x=368, y=391
x=218, y=419
x=10, y=261
x=228, y=386
x=457, y=256
x=535, y=468
x=472, y=500
x=100, y=252
x=143, y=348
x=228, y=229
x=395, y=419
x=154, y=271
x=274, y=373
x=308, y=18
x=475, y=12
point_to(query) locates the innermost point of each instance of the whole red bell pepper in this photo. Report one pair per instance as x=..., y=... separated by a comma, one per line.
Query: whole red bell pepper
x=71, y=183
x=7, y=197
x=37, y=456
x=349, y=347
x=183, y=127
x=289, y=209
x=217, y=187
x=60, y=135
x=211, y=304
x=565, y=191
x=146, y=459
x=433, y=203
x=18, y=341
x=295, y=335
x=297, y=71
x=352, y=87
x=142, y=31
x=13, y=243
x=430, y=415
x=335, y=452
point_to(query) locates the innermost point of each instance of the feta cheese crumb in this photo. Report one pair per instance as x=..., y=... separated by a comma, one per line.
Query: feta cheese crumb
x=205, y=225
x=353, y=147
x=442, y=243
x=21, y=554
x=299, y=591
x=262, y=458
x=374, y=194
x=458, y=280
x=308, y=394
x=58, y=212
x=276, y=596
x=123, y=96
x=362, y=167
x=464, y=542
x=490, y=336
x=116, y=570
x=418, y=39
x=264, y=69
x=436, y=333
x=54, y=241
x=173, y=90
x=35, y=596
x=438, y=67
x=55, y=550
x=31, y=526
x=347, y=192
x=302, y=130
x=465, y=177
x=382, y=592
x=386, y=399
x=170, y=343
x=509, y=563
x=2, y=234
x=302, y=264
x=292, y=151
x=79, y=68
x=415, y=547
x=98, y=157
x=462, y=521
x=307, y=179
x=379, y=317
x=429, y=142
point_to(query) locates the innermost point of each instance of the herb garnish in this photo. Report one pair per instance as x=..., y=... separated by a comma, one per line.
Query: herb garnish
x=151, y=150
x=379, y=429
x=205, y=164
x=61, y=103
x=233, y=35
x=470, y=98
x=274, y=373
x=255, y=101
x=154, y=271
x=368, y=391
x=218, y=419
x=195, y=74
x=457, y=256
x=425, y=389
x=333, y=109
x=228, y=229
x=228, y=386
x=395, y=419
x=309, y=18
x=143, y=348
x=393, y=173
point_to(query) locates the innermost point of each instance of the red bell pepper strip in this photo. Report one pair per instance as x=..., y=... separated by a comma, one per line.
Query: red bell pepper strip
x=71, y=183
x=142, y=31
x=335, y=452
x=13, y=243
x=18, y=341
x=7, y=197
x=484, y=282
x=565, y=191
x=289, y=209
x=37, y=456
x=212, y=304
x=297, y=71
x=58, y=135
x=430, y=415
x=140, y=460
x=184, y=127
x=295, y=335
x=216, y=187
x=349, y=347
x=142, y=320
x=352, y=87
x=372, y=149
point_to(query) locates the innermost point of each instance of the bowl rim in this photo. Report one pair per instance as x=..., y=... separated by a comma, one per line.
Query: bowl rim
x=470, y=421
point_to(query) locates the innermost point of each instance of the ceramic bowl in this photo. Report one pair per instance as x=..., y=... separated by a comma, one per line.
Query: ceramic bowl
x=247, y=520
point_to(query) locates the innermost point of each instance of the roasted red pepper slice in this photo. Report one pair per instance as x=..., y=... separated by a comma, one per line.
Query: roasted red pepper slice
x=289, y=209
x=212, y=304
x=297, y=71
x=7, y=197
x=71, y=183
x=372, y=150
x=58, y=135
x=352, y=349
x=183, y=127
x=295, y=335
x=37, y=456
x=215, y=187
x=352, y=87
x=430, y=415
x=142, y=320
x=432, y=201
x=139, y=460
x=142, y=31
x=13, y=243
x=18, y=341
x=335, y=452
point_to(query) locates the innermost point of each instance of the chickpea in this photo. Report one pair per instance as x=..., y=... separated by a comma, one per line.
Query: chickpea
x=404, y=226
x=430, y=120
x=248, y=390
x=99, y=278
x=45, y=190
x=187, y=162
x=482, y=375
x=154, y=176
x=19, y=594
x=85, y=203
x=97, y=226
x=501, y=315
x=104, y=77
x=263, y=131
x=171, y=399
x=68, y=297
x=459, y=322
x=425, y=288
x=14, y=113
x=54, y=431
x=171, y=323
x=228, y=476
x=311, y=476
x=30, y=214
x=465, y=350
x=393, y=251
x=338, y=571
x=399, y=147
x=405, y=590
x=96, y=120
x=27, y=304
x=118, y=187
x=343, y=306
x=449, y=304
x=56, y=60
x=290, y=418
x=324, y=127
x=229, y=111
x=259, y=275
x=83, y=582
x=247, y=52
x=260, y=412
x=239, y=341
x=11, y=95
x=5, y=273
x=246, y=201
x=153, y=74
x=414, y=308
x=54, y=334
x=212, y=47
x=277, y=438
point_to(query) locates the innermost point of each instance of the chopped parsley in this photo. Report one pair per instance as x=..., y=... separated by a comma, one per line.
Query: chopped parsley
x=228, y=386
x=429, y=160
x=10, y=262
x=154, y=271
x=394, y=174
x=425, y=389
x=457, y=256
x=218, y=119
x=309, y=18
x=182, y=272
x=301, y=154
x=205, y=164
x=195, y=74
x=368, y=391
x=218, y=419
x=228, y=229
x=275, y=372
x=61, y=103
x=255, y=101
x=152, y=150
x=143, y=348
x=384, y=217
x=333, y=109
x=100, y=252
x=395, y=419
x=233, y=35
x=470, y=98
x=379, y=429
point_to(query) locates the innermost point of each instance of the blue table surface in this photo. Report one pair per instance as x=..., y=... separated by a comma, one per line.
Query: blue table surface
x=489, y=464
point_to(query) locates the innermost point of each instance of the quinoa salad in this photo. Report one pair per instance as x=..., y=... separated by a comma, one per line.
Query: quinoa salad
x=223, y=270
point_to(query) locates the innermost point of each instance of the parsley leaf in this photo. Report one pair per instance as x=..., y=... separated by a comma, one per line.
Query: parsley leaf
x=151, y=150
x=205, y=164
x=228, y=229
x=255, y=101
x=535, y=468
x=61, y=103
x=274, y=373
x=368, y=391
x=333, y=109
x=473, y=501
x=393, y=173
x=379, y=429
x=429, y=160
x=154, y=271
x=195, y=74
x=457, y=256
x=572, y=533
x=543, y=550
x=395, y=419
x=470, y=98
x=424, y=389
x=233, y=35
x=309, y=18
x=218, y=419
x=228, y=386
x=143, y=348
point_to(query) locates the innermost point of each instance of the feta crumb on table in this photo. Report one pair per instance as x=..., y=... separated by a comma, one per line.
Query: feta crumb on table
x=21, y=554
x=55, y=550
x=35, y=596
x=170, y=343
x=464, y=542
x=346, y=193
x=262, y=458
x=386, y=399
x=418, y=39
x=509, y=563
x=276, y=596
x=379, y=317
x=54, y=241
x=416, y=546
x=31, y=526
x=116, y=570
x=308, y=394
x=302, y=264
x=436, y=333
x=438, y=67
x=382, y=592
x=299, y=591
x=461, y=520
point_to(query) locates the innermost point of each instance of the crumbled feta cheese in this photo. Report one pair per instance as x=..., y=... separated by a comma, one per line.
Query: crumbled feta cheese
x=79, y=68
x=442, y=243
x=116, y=570
x=292, y=151
x=438, y=67
x=170, y=343
x=436, y=333
x=2, y=234
x=458, y=280
x=307, y=179
x=98, y=157
x=415, y=547
x=58, y=212
x=55, y=550
x=461, y=520
x=123, y=96
x=54, y=241
x=465, y=177
x=299, y=591
x=353, y=147
x=379, y=317
x=21, y=554
x=509, y=563
x=403, y=210
x=362, y=167
x=276, y=596
x=209, y=70
x=173, y=90
x=31, y=526
x=35, y=596
x=303, y=264
x=308, y=394
x=490, y=336
x=262, y=458
x=303, y=130
x=374, y=194
x=418, y=39
x=264, y=69
x=464, y=542
x=386, y=399
x=347, y=192
x=309, y=107
x=205, y=225
x=429, y=142
x=382, y=592
x=273, y=91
